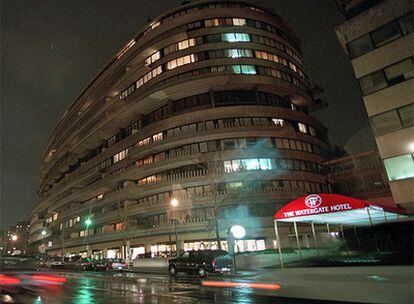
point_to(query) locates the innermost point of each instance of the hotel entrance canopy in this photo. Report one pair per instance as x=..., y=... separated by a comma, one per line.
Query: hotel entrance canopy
x=336, y=209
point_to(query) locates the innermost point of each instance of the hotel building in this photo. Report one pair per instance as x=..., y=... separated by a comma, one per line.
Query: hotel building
x=208, y=105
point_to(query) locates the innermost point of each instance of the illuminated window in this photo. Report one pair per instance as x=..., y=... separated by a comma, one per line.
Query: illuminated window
x=399, y=167
x=144, y=141
x=126, y=48
x=312, y=131
x=239, y=21
x=154, y=57
x=235, y=37
x=302, y=127
x=154, y=25
x=181, y=61
x=120, y=156
x=186, y=43
x=243, y=69
x=212, y=22
x=238, y=53
x=157, y=137
x=100, y=196
x=278, y=122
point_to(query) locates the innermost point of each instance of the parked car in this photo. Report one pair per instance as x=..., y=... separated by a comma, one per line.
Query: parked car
x=87, y=264
x=201, y=262
x=55, y=262
x=111, y=264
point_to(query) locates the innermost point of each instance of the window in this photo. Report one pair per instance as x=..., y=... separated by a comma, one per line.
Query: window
x=157, y=137
x=144, y=141
x=407, y=23
x=312, y=131
x=399, y=167
x=186, y=43
x=120, y=156
x=181, y=61
x=265, y=163
x=250, y=164
x=235, y=37
x=239, y=21
x=400, y=71
x=407, y=115
x=360, y=46
x=212, y=22
x=386, y=34
x=302, y=127
x=278, y=122
x=243, y=69
x=393, y=120
x=232, y=165
x=238, y=53
x=373, y=82
x=126, y=48
x=154, y=57
x=386, y=122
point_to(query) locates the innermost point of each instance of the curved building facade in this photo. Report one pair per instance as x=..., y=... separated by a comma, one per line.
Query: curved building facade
x=207, y=105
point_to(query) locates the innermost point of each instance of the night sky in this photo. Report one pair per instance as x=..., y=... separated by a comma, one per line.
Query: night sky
x=51, y=50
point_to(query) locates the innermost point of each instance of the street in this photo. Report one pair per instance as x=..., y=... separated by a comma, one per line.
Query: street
x=102, y=287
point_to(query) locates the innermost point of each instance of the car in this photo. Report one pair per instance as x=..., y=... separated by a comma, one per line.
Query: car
x=201, y=262
x=55, y=262
x=110, y=264
x=86, y=264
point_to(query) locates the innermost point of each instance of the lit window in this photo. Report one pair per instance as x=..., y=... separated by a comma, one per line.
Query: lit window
x=100, y=196
x=238, y=53
x=120, y=156
x=157, y=137
x=239, y=21
x=243, y=69
x=250, y=164
x=265, y=164
x=186, y=43
x=154, y=25
x=278, y=122
x=144, y=141
x=232, y=165
x=235, y=37
x=181, y=61
x=399, y=167
x=302, y=127
x=212, y=22
x=293, y=107
x=126, y=48
x=154, y=57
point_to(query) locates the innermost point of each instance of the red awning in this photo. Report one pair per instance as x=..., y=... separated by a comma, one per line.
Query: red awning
x=336, y=209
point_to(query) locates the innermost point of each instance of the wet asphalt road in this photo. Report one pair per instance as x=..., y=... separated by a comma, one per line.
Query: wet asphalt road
x=95, y=287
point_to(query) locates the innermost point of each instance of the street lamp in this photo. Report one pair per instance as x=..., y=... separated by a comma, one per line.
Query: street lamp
x=174, y=203
x=43, y=233
x=14, y=238
x=235, y=232
x=88, y=222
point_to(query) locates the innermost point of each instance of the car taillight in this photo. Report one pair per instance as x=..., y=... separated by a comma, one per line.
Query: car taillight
x=8, y=280
x=49, y=278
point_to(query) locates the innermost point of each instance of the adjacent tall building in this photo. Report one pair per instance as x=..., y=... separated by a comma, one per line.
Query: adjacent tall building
x=206, y=107
x=378, y=36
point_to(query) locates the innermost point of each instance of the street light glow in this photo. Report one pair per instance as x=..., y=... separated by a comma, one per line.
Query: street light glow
x=174, y=202
x=14, y=237
x=88, y=222
x=238, y=231
x=43, y=232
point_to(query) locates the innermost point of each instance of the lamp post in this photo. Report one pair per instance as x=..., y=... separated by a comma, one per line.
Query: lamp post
x=174, y=203
x=88, y=222
x=235, y=232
